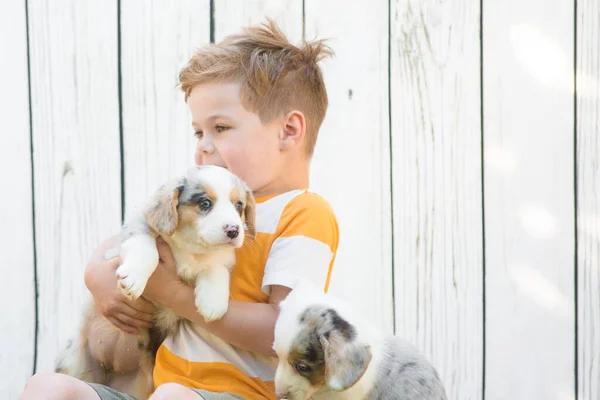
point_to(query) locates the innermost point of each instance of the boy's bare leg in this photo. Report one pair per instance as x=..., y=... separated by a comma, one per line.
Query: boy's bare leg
x=169, y=391
x=54, y=386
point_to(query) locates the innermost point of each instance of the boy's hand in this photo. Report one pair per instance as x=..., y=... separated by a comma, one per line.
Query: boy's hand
x=164, y=283
x=101, y=280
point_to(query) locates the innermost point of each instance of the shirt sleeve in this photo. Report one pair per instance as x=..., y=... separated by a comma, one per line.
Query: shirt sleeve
x=306, y=243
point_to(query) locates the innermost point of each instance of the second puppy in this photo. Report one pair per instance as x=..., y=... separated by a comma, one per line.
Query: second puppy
x=327, y=351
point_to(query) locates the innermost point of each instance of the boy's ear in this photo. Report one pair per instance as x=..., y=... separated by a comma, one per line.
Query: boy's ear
x=294, y=130
x=161, y=213
x=250, y=214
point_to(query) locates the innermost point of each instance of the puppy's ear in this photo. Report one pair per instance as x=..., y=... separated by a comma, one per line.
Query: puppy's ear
x=250, y=213
x=345, y=360
x=161, y=213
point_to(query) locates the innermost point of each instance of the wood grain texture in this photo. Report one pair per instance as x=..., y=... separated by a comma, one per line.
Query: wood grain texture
x=231, y=16
x=436, y=138
x=529, y=199
x=75, y=122
x=588, y=197
x=17, y=325
x=351, y=167
x=157, y=38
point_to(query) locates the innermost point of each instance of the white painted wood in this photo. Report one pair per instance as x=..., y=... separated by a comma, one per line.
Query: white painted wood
x=351, y=167
x=436, y=169
x=75, y=124
x=529, y=199
x=231, y=16
x=588, y=197
x=17, y=325
x=157, y=39
x=436, y=147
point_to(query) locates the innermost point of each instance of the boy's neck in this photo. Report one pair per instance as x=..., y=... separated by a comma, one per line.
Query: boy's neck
x=293, y=177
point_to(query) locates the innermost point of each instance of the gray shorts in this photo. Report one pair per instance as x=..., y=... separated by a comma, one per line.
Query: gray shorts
x=107, y=393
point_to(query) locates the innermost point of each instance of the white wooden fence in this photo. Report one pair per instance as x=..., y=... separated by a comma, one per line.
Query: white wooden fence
x=463, y=165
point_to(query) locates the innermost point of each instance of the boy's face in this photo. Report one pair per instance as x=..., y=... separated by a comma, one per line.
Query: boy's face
x=232, y=137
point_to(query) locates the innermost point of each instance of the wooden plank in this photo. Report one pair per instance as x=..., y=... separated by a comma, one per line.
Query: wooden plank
x=157, y=39
x=529, y=199
x=17, y=259
x=350, y=167
x=75, y=120
x=231, y=16
x=588, y=197
x=436, y=169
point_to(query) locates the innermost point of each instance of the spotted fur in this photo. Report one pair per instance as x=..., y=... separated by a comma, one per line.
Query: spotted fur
x=326, y=351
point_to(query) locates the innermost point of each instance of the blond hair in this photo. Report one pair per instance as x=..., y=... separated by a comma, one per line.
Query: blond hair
x=275, y=76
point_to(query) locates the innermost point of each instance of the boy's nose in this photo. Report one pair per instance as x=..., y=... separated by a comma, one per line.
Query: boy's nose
x=206, y=146
x=232, y=231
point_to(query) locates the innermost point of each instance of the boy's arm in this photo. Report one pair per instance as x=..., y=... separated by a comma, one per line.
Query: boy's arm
x=246, y=325
x=249, y=326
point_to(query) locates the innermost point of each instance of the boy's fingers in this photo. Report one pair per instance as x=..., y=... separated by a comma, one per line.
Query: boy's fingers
x=142, y=305
x=165, y=254
x=135, y=314
x=113, y=262
x=122, y=326
x=127, y=320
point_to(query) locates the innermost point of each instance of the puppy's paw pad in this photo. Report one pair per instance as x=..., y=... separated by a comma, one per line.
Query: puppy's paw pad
x=130, y=283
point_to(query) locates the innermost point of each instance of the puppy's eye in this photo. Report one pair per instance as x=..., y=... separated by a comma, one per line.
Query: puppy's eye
x=205, y=204
x=303, y=368
x=239, y=206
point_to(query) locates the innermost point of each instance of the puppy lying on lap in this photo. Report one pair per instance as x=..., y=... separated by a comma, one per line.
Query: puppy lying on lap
x=327, y=352
x=201, y=216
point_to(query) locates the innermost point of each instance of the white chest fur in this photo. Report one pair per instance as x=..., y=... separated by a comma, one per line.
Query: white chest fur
x=190, y=266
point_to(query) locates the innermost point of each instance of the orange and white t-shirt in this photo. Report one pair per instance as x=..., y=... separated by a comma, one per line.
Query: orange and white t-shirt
x=297, y=238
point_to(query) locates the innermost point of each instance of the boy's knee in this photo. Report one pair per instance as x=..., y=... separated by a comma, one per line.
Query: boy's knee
x=44, y=383
x=168, y=391
x=46, y=380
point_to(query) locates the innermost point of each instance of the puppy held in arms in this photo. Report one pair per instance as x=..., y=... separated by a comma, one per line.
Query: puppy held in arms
x=201, y=216
x=328, y=352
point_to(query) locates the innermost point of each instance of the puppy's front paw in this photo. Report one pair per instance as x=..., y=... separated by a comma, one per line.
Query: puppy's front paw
x=213, y=305
x=131, y=282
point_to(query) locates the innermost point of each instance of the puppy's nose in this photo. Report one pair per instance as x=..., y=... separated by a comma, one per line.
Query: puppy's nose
x=232, y=231
x=282, y=394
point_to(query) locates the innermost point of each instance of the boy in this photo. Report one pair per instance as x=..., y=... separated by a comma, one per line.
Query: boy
x=257, y=104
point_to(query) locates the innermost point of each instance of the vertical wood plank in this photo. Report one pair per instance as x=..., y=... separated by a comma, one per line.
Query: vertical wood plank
x=436, y=167
x=17, y=325
x=157, y=39
x=231, y=16
x=588, y=197
x=529, y=198
x=351, y=166
x=75, y=122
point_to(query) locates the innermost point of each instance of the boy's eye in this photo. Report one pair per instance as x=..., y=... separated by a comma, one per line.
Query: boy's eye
x=221, y=128
x=238, y=206
x=205, y=204
x=198, y=135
